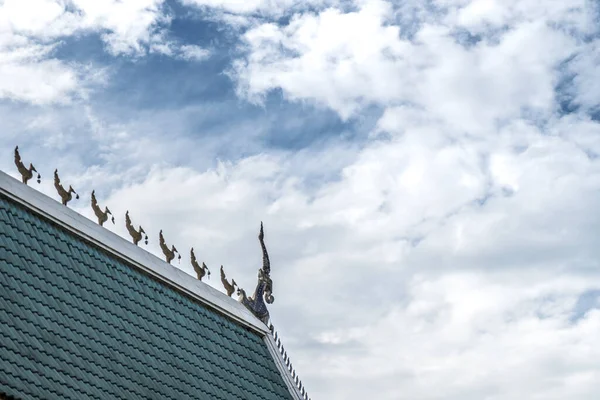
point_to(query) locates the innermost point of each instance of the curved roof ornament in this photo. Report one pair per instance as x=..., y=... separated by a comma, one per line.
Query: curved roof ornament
x=264, y=287
x=65, y=195
x=169, y=253
x=101, y=215
x=136, y=234
x=229, y=287
x=26, y=173
x=200, y=270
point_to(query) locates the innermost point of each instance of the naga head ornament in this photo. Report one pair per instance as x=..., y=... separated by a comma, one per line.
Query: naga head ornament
x=264, y=287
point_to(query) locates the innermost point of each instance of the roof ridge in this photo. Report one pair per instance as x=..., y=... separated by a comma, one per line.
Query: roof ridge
x=132, y=255
x=91, y=316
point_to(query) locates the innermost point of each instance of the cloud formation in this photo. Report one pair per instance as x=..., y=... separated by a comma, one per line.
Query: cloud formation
x=445, y=250
x=324, y=58
x=31, y=31
x=264, y=7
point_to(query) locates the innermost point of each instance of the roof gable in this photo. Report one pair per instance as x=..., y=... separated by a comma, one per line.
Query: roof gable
x=95, y=327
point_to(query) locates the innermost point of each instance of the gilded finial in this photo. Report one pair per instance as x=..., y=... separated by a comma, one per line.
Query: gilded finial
x=264, y=287
x=229, y=287
x=169, y=253
x=201, y=270
x=26, y=173
x=101, y=215
x=136, y=235
x=65, y=195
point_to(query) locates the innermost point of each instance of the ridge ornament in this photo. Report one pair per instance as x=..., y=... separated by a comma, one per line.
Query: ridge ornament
x=101, y=215
x=201, y=270
x=136, y=235
x=64, y=194
x=264, y=287
x=26, y=173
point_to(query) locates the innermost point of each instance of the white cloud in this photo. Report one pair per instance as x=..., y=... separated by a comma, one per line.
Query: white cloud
x=327, y=59
x=37, y=82
x=482, y=15
x=468, y=337
x=463, y=241
x=30, y=31
x=445, y=257
x=324, y=58
x=269, y=7
x=586, y=68
x=193, y=53
x=45, y=18
x=170, y=48
x=26, y=74
x=125, y=26
x=482, y=304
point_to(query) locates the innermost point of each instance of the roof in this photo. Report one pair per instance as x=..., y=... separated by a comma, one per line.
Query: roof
x=85, y=314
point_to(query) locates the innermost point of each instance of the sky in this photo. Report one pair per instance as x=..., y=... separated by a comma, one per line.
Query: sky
x=427, y=171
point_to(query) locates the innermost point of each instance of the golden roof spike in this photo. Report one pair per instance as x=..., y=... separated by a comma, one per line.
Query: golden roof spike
x=136, y=235
x=65, y=195
x=229, y=287
x=201, y=270
x=26, y=173
x=169, y=253
x=101, y=215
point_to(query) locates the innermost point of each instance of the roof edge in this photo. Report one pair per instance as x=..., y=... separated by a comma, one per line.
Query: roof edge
x=129, y=253
x=283, y=370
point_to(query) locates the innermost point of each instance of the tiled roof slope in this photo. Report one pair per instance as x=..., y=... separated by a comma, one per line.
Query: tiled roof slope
x=78, y=323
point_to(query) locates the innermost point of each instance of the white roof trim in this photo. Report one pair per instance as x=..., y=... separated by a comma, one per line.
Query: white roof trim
x=283, y=370
x=128, y=252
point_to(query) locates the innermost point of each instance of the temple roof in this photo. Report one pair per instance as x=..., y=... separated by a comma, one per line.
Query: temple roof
x=86, y=314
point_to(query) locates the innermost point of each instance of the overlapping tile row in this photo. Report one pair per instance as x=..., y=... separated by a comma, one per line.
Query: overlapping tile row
x=77, y=323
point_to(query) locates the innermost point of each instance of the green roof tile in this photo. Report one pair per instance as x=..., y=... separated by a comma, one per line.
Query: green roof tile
x=78, y=323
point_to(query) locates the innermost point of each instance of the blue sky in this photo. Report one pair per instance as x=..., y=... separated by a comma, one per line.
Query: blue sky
x=427, y=171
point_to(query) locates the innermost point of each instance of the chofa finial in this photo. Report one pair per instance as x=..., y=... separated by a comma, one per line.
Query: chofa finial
x=101, y=215
x=169, y=253
x=136, y=235
x=201, y=270
x=266, y=262
x=264, y=288
x=26, y=173
x=64, y=194
x=229, y=287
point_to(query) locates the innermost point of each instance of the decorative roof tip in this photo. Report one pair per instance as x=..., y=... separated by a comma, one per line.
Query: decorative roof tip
x=229, y=287
x=264, y=287
x=101, y=215
x=136, y=234
x=65, y=195
x=169, y=253
x=200, y=270
x=26, y=173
